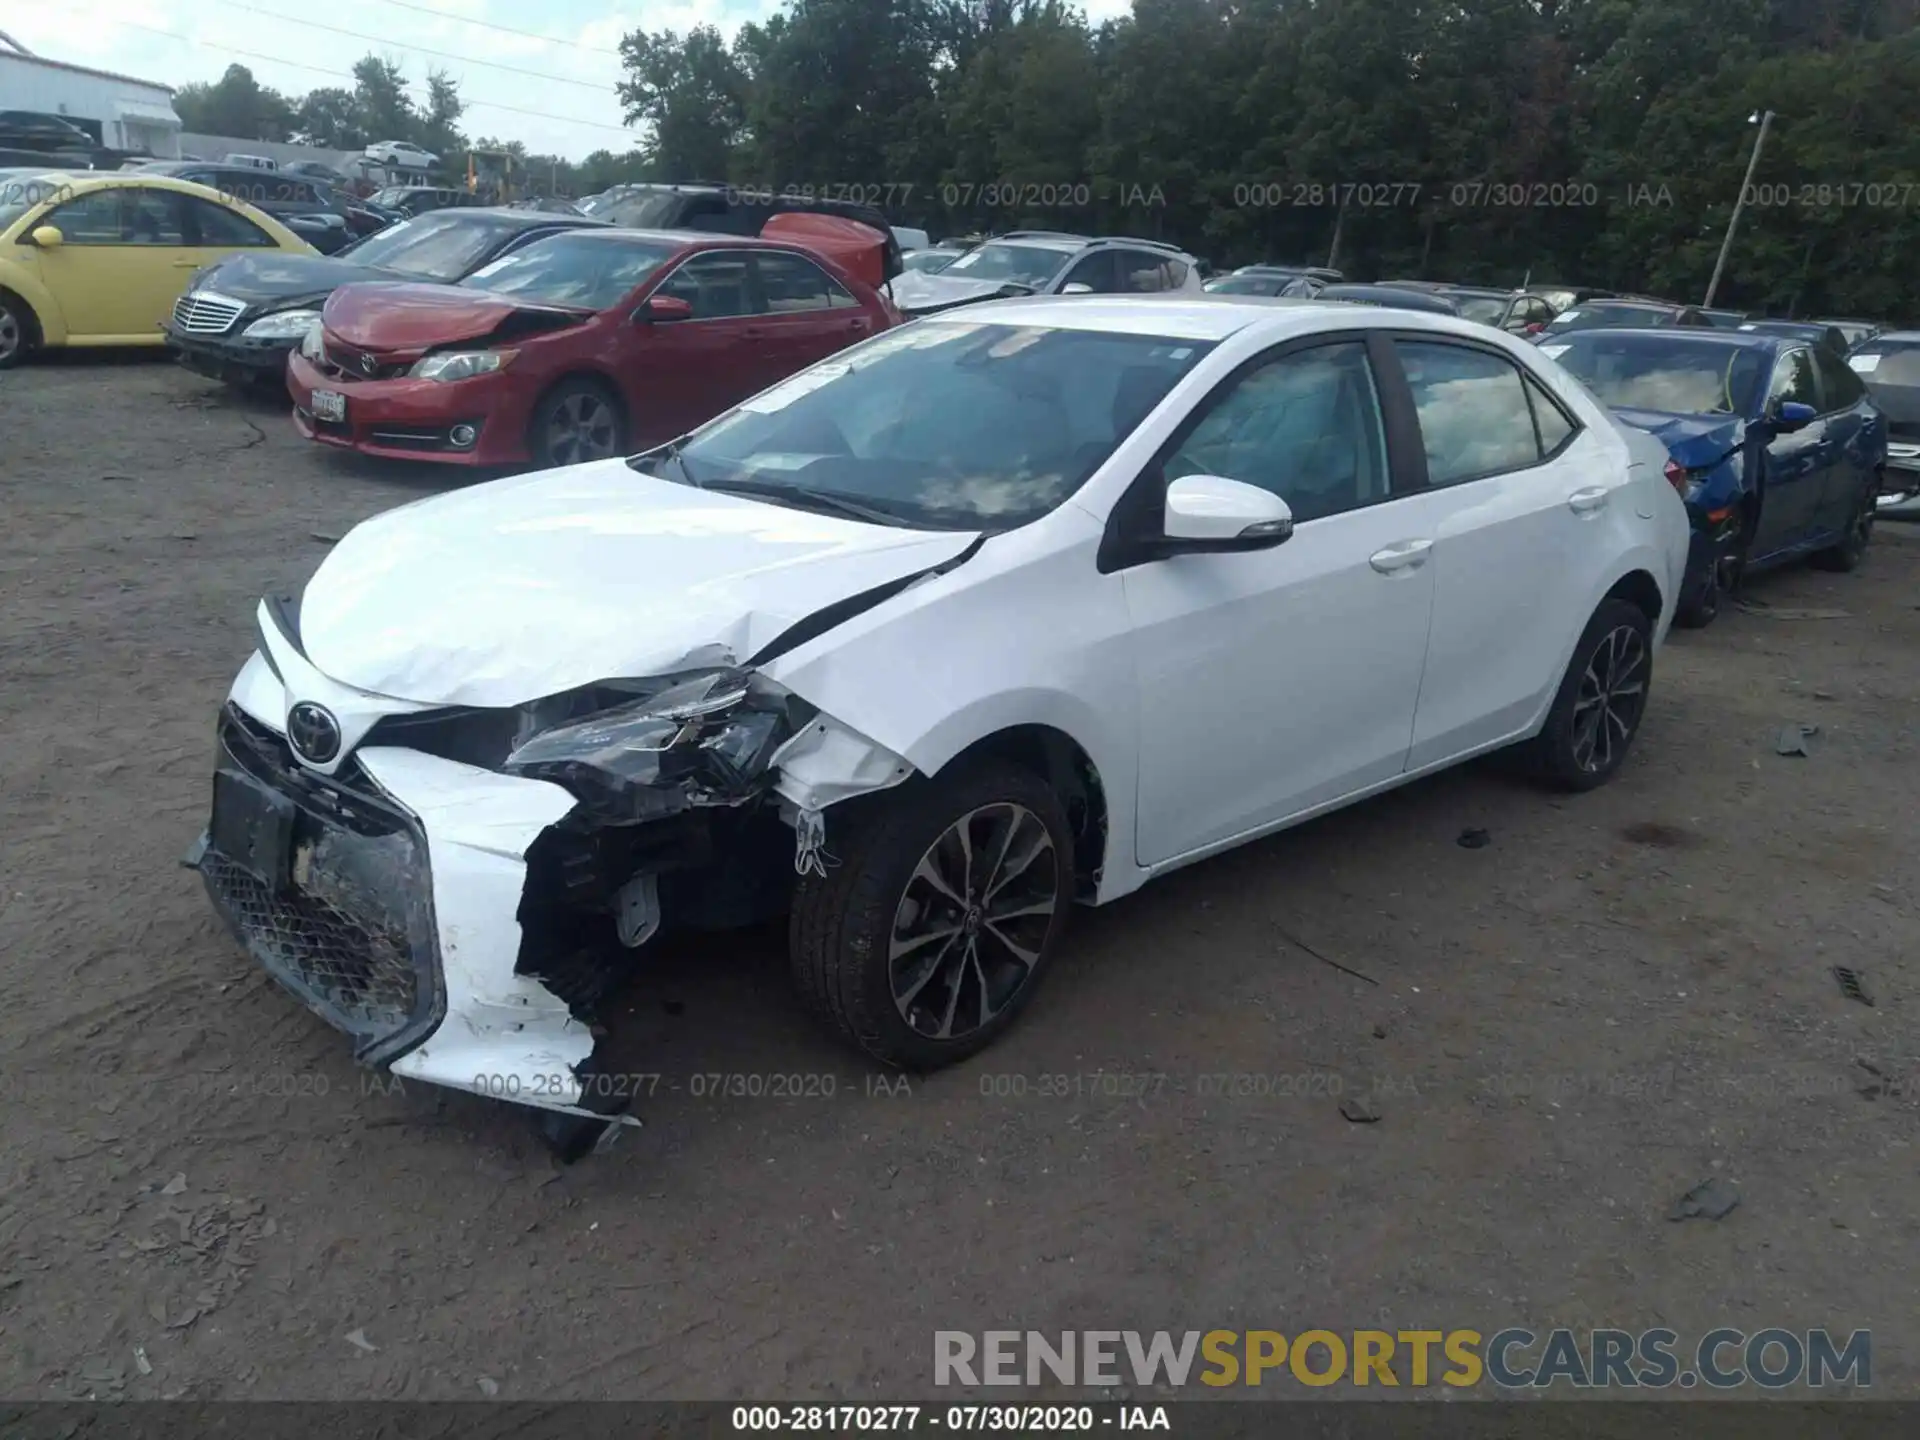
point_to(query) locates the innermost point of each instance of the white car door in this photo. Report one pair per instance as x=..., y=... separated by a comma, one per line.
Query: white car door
x=1273, y=681
x=1520, y=494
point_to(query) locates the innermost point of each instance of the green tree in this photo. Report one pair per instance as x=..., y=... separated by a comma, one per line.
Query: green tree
x=689, y=93
x=236, y=105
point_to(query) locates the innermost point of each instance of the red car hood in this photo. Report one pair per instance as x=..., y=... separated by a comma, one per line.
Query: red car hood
x=415, y=317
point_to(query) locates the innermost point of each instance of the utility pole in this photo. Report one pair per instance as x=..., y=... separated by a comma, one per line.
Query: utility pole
x=1739, y=204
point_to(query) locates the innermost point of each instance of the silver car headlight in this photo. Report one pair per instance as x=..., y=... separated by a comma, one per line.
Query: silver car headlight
x=287, y=325
x=704, y=740
x=460, y=364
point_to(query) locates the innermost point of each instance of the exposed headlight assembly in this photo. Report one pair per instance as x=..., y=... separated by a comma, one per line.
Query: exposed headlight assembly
x=287, y=325
x=460, y=364
x=313, y=344
x=706, y=740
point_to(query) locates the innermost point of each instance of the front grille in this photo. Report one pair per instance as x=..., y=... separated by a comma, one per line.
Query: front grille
x=202, y=312
x=344, y=362
x=353, y=935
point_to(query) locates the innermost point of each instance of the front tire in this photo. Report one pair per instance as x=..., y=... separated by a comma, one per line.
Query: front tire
x=935, y=926
x=16, y=330
x=1852, y=549
x=1601, y=700
x=577, y=421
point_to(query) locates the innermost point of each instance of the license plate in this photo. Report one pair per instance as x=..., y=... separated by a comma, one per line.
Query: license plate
x=253, y=827
x=329, y=405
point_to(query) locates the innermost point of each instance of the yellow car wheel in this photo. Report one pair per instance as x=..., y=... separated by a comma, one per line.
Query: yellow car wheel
x=18, y=330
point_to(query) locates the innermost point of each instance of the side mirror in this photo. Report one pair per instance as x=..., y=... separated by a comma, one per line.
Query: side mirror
x=1210, y=512
x=1076, y=287
x=1791, y=415
x=663, y=307
x=48, y=237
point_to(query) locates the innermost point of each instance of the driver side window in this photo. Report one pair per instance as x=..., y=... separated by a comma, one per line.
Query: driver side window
x=1794, y=379
x=1095, y=272
x=1305, y=426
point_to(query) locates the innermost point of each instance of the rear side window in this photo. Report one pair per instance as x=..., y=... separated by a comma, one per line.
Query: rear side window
x=792, y=283
x=1476, y=417
x=211, y=224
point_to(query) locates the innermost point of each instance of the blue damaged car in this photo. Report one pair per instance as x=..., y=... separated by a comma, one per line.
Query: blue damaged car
x=1772, y=441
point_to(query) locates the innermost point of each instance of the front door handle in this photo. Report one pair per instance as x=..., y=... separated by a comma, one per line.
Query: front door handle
x=1401, y=555
x=1585, y=502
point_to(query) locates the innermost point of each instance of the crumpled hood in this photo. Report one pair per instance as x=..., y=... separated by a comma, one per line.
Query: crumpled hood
x=506, y=592
x=917, y=292
x=1692, y=440
x=414, y=316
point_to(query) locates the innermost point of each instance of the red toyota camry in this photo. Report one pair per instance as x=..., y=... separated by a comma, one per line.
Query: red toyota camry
x=581, y=346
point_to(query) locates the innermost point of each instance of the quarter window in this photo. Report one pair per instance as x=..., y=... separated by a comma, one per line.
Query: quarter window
x=1305, y=426
x=1475, y=416
x=1554, y=425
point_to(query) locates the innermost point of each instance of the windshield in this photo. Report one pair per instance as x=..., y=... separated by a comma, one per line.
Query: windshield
x=579, y=271
x=1641, y=372
x=1029, y=265
x=21, y=190
x=434, y=247
x=944, y=425
x=1883, y=362
x=391, y=197
x=929, y=261
x=1487, y=309
x=1594, y=316
x=1249, y=284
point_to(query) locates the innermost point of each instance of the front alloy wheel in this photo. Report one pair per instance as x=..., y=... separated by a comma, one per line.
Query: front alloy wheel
x=941, y=908
x=13, y=334
x=1852, y=547
x=972, y=920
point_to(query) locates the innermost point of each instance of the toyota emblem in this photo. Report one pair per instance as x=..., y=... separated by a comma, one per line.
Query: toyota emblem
x=313, y=733
x=368, y=363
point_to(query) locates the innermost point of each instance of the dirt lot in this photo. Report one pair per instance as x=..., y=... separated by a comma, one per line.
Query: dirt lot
x=1619, y=997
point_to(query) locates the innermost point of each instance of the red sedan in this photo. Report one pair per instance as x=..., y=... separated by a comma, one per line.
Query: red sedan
x=580, y=346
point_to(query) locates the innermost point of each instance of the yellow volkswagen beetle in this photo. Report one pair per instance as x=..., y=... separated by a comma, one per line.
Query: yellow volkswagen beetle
x=99, y=257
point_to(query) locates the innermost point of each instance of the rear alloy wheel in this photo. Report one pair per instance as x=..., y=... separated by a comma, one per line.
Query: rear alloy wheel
x=577, y=421
x=934, y=929
x=1601, y=701
x=15, y=333
x=1852, y=547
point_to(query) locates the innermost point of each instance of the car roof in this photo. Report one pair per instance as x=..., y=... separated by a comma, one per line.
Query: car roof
x=1184, y=315
x=1905, y=337
x=1491, y=292
x=1666, y=335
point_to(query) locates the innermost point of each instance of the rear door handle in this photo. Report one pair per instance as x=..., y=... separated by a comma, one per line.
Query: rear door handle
x=1401, y=555
x=1586, y=501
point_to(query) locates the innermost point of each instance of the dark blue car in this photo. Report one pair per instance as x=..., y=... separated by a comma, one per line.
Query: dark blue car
x=1772, y=442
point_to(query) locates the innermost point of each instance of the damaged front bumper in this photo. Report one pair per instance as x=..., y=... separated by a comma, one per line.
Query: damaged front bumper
x=458, y=903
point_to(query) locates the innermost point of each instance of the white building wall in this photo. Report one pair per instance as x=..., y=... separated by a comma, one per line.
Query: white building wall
x=28, y=84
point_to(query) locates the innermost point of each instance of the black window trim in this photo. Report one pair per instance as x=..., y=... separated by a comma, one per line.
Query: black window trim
x=1828, y=405
x=1134, y=532
x=1528, y=382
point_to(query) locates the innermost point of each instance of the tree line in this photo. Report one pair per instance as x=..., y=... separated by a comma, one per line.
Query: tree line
x=1598, y=142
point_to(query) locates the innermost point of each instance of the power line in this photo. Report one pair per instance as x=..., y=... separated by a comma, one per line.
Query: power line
x=347, y=75
x=503, y=29
x=422, y=49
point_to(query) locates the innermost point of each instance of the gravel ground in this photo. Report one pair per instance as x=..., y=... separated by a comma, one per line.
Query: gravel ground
x=1622, y=995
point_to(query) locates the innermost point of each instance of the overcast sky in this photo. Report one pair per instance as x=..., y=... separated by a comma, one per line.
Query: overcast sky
x=566, y=107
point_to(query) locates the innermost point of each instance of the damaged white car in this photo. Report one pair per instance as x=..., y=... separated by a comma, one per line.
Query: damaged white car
x=995, y=613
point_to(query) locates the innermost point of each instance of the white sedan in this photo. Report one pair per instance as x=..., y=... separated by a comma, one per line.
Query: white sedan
x=1001, y=611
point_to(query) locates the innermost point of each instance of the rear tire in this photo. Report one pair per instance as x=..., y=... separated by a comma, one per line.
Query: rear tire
x=936, y=924
x=1852, y=548
x=577, y=421
x=1601, y=701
